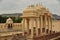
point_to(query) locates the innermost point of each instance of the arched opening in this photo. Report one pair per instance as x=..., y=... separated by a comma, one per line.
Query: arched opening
x=43, y=29
x=9, y=26
x=5, y=39
x=34, y=31
x=29, y=31
x=38, y=31
x=46, y=30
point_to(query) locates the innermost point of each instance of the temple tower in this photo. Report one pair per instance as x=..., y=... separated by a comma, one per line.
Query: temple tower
x=37, y=21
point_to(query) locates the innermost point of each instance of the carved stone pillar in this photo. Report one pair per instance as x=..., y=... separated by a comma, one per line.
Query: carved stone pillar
x=31, y=27
x=41, y=23
x=46, y=25
x=50, y=24
x=23, y=24
x=38, y=27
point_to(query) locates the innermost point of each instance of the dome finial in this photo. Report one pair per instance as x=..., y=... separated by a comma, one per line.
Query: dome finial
x=37, y=4
x=31, y=6
x=41, y=3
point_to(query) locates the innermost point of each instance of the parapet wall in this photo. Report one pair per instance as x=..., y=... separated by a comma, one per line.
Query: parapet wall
x=56, y=25
x=15, y=27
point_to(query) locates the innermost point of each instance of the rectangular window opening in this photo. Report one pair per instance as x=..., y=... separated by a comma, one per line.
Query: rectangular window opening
x=46, y=30
x=29, y=31
x=43, y=30
x=38, y=30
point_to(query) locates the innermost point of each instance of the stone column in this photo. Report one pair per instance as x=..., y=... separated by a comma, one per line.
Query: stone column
x=38, y=26
x=31, y=27
x=51, y=23
x=41, y=23
x=34, y=22
x=30, y=24
x=38, y=22
x=49, y=19
x=35, y=27
x=46, y=27
x=23, y=25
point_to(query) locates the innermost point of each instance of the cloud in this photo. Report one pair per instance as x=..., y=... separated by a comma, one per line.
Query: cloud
x=54, y=6
x=10, y=6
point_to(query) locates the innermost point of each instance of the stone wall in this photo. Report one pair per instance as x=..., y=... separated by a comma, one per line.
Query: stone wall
x=56, y=25
x=15, y=27
x=2, y=26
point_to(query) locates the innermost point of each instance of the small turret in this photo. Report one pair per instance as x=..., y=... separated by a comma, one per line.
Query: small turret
x=9, y=21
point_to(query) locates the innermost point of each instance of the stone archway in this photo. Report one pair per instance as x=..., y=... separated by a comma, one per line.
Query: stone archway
x=9, y=23
x=10, y=26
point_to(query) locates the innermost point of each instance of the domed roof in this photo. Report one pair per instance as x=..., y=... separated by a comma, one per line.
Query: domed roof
x=30, y=11
x=9, y=20
x=41, y=9
x=36, y=10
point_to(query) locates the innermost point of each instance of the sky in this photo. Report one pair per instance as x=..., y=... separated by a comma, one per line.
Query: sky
x=17, y=6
